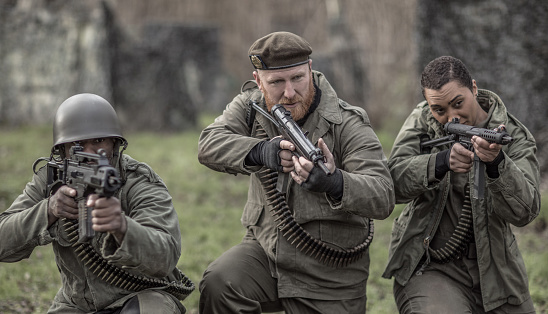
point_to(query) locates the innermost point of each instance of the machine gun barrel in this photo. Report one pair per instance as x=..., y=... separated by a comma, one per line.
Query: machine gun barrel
x=292, y=132
x=492, y=136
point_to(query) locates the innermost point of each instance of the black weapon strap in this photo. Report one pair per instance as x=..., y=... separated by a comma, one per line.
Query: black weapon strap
x=294, y=233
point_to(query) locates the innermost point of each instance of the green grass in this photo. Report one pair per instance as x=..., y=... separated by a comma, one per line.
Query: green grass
x=209, y=205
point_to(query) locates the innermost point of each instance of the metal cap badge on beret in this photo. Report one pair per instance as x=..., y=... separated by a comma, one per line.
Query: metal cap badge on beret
x=279, y=50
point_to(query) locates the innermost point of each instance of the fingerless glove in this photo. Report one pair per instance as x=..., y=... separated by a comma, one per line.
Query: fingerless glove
x=331, y=184
x=266, y=153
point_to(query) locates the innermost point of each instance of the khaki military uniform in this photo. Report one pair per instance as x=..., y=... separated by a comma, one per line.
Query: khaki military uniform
x=492, y=267
x=368, y=193
x=151, y=245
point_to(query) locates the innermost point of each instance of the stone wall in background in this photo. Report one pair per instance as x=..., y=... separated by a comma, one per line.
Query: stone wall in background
x=51, y=50
x=162, y=80
x=365, y=47
x=505, y=47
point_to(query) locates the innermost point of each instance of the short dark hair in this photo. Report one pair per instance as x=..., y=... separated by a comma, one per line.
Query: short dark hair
x=443, y=70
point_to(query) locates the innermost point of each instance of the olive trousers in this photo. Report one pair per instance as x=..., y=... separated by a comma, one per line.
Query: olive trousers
x=449, y=288
x=145, y=302
x=239, y=281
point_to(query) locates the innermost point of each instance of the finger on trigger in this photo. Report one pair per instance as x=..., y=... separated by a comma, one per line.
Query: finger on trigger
x=68, y=191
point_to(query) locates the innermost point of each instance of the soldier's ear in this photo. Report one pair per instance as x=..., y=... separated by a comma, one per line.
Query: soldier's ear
x=474, y=88
x=257, y=78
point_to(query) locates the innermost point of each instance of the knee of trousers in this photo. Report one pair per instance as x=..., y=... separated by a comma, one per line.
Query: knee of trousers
x=151, y=301
x=217, y=281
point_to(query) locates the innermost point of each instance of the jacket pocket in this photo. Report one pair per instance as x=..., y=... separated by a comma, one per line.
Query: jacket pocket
x=343, y=235
x=309, y=206
x=252, y=213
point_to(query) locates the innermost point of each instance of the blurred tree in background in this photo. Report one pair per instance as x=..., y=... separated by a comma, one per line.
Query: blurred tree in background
x=365, y=48
x=167, y=60
x=164, y=62
x=505, y=47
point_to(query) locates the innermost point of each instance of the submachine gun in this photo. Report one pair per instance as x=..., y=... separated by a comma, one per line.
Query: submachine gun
x=461, y=133
x=87, y=173
x=291, y=131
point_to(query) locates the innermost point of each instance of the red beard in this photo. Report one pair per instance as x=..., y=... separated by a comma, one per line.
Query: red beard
x=301, y=110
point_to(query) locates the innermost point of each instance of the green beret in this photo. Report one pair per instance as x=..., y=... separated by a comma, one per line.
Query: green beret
x=279, y=50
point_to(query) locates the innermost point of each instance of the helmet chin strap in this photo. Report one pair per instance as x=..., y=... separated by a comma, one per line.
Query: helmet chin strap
x=117, y=152
x=57, y=153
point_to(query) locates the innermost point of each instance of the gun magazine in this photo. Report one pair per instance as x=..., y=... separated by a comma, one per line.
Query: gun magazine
x=295, y=234
x=118, y=277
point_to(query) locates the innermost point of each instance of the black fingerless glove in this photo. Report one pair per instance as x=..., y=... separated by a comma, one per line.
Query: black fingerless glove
x=492, y=168
x=319, y=182
x=266, y=153
x=442, y=163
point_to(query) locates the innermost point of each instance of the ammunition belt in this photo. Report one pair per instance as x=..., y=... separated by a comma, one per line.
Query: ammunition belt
x=457, y=244
x=118, y=277
x=294, y=233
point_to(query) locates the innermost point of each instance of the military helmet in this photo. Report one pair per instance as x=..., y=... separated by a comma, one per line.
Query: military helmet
x=85, y=116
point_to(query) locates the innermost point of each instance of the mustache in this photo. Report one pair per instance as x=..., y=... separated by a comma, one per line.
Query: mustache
x=287, y=101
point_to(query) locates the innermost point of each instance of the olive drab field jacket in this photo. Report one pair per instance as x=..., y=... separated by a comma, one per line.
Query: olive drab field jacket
x=151, y=245
x=368, y=191
x=511, y=199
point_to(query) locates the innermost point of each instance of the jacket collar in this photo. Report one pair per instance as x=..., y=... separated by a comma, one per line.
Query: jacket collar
x=325, y=109
x=497, y=110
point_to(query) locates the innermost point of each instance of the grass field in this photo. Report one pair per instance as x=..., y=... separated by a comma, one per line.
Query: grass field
x=209, y=205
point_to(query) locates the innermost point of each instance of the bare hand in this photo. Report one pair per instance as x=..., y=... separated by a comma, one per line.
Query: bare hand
x=286, y=155
x=486, y=151
x=107, y=216
x=460, y=159
x=62, y=205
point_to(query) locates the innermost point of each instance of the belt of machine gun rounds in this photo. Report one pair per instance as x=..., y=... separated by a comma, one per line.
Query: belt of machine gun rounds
x=456, y=246
x=118, y=277
x=294, y=233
